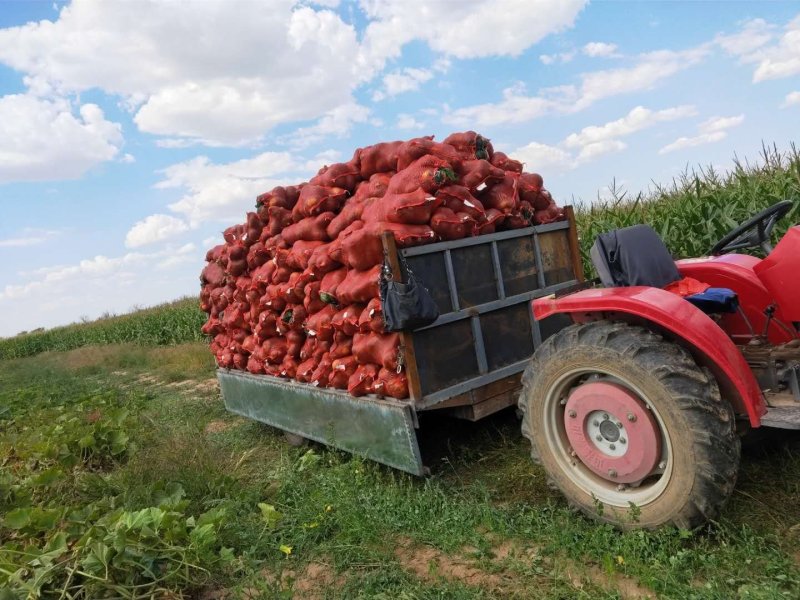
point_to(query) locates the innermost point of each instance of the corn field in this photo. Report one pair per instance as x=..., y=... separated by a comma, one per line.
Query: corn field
x=690, y=214
x=167, y=324
x=699, y=206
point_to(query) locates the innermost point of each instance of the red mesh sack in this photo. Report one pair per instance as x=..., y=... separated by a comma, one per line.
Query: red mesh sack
x=305, y=370
x=335, y=247
x=377, y=348
x=300, y=253
x=255, y=366
x=341, y=371
x=451, y=226
x=294, y=343
x=429, y=173
x=338, y=175
x=279, y=218
x=233, y=318
x=378, y=184
x=213, y=274
x=502, y=161
x=212, y=327
x=309, y=229
x=459, y=199
x=317, y=199
x=239, y=361
x=530, y=185
x=320, y=262
x=391, y=383
x=359, y=286
x=319, y=324
x=323, y=371
x=549, y=215
x=502, y=196
x=477, y=174
x=413, y=208
x=404, y=235
x=494, y=218
x=289, y=367
x=274, y=349
x=362, y=250
x=470, y=145
x=215, y=253
x=257, y=255
x=342, y=345
x=233, y=234
x=350, y=212
x=328, y=289
x=347, y=319
x=362, y=380
x=371, y=318
x=254, y=227
x=263, y=274
x=311, y=300
x=378, y=158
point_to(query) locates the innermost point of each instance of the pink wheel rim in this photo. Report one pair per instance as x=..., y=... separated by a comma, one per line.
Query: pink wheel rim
x=612, y=432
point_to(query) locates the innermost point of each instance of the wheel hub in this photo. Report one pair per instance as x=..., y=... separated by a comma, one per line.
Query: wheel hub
x=612, y=432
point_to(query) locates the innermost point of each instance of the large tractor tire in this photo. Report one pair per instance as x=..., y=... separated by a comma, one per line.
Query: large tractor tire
x=628, y=426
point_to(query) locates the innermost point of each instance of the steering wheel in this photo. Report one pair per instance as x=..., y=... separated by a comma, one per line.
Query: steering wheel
x=755, y=232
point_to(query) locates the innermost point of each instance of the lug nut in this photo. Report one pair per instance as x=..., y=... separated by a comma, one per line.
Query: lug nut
x=631, y=417
x=612, y=473
x=596, y=423
x=599, y=438
x=605, y=417
x=662, y=465
x=612, y=446
x=622, y=487
x=572, y=414
x=623, y=441
x=619, y=425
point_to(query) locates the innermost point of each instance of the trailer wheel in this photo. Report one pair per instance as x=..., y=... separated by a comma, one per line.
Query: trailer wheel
x=628, y=426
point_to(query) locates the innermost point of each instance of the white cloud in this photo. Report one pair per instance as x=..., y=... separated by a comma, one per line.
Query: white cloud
x=44, y=140
x=28, y=237
x=154, y=228
x=600, y=49
x=792, y=99
x=756, y=44
x=460, y=32
x=517, y=106
x=223, y=72
x=712, y=130
x=541, y=157
x=597, y=140
x=561, y=57
x=405, y=121
x=637, y=119
x=218, y=192
x=227, y=71
x=753, y=35
x=399, y=82
x=336, y=122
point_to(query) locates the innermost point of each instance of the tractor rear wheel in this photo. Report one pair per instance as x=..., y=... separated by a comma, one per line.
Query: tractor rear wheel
x=628, y=426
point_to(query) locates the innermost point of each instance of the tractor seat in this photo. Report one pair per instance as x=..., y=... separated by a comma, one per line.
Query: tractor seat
x=634, y=256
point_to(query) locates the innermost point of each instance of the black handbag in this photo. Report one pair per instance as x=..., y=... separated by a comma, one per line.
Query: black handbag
x=406, y=305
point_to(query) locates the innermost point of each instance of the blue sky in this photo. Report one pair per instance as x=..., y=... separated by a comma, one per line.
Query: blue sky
x=132, y=133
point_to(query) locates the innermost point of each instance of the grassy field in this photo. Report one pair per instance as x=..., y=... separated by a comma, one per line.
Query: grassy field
x=121, y=476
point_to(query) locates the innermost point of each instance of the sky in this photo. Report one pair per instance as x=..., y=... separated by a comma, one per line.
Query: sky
x=133, y=133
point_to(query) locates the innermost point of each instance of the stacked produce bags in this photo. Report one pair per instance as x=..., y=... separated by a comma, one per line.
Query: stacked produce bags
x=293, y=292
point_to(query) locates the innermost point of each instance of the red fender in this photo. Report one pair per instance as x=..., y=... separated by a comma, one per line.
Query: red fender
x=687, y=323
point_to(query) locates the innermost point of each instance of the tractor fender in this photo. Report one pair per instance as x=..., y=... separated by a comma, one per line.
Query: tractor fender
x=676, y=319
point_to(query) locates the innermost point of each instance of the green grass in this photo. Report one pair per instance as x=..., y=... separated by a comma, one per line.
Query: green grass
x=176, y=496
x=167, y=324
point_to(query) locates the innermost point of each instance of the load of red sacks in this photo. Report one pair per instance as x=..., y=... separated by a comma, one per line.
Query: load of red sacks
x=293, y=292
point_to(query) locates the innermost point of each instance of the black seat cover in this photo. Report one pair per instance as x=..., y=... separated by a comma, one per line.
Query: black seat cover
x=633, y=256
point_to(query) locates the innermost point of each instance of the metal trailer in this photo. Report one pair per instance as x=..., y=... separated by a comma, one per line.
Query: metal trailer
x=468, y=362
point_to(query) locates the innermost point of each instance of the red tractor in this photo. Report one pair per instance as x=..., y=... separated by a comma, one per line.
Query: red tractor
x=637, y=408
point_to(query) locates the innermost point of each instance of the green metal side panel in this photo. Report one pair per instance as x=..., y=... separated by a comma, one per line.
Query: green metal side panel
x=379, y=429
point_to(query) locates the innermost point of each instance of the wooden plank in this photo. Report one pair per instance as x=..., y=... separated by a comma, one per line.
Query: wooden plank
x=482, y=393
x=476, y=412
x=574, y=244
x=406, y=338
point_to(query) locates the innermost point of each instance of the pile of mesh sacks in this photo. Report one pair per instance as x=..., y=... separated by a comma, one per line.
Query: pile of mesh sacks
x=294, y=291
